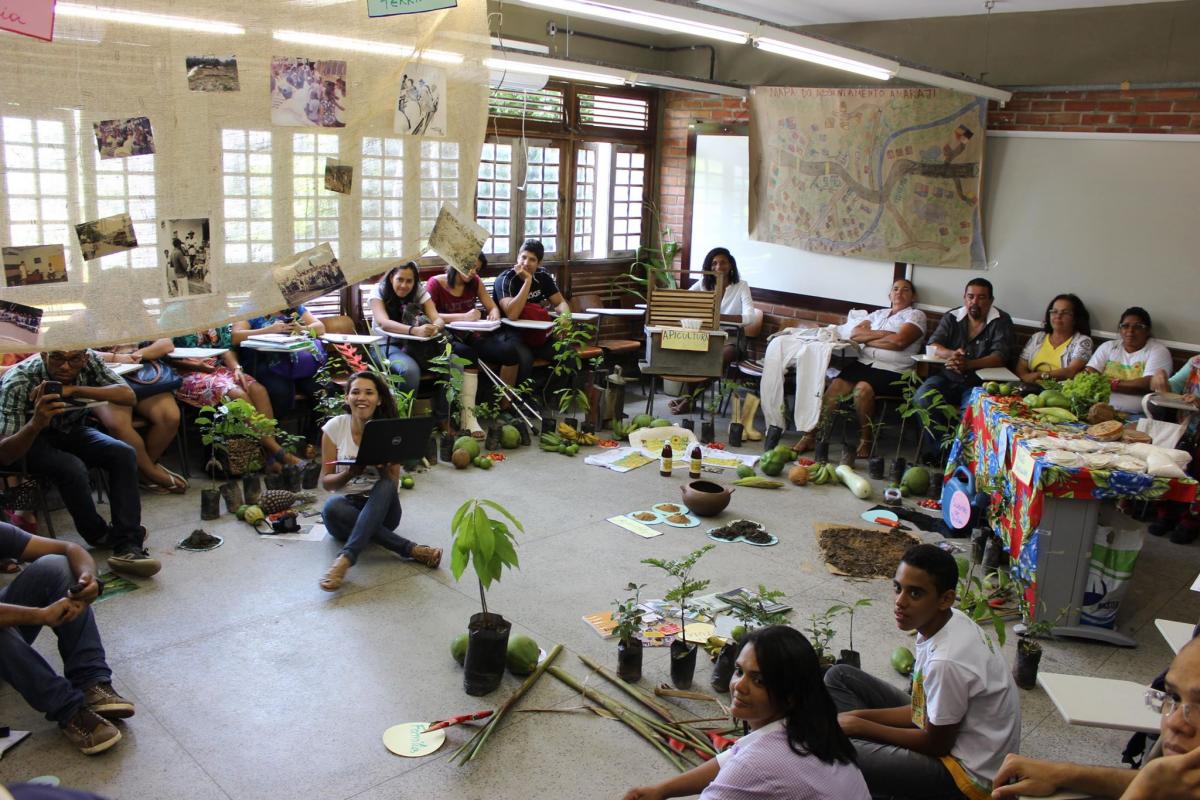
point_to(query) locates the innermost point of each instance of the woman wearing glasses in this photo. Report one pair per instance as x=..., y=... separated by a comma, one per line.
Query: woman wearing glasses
x=1130, y=362
x=1062, y=347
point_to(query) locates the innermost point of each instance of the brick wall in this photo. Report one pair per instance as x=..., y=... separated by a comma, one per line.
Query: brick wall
x=1101, y=111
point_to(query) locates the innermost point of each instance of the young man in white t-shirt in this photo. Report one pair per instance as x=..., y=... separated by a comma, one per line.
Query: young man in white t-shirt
x=949, y=739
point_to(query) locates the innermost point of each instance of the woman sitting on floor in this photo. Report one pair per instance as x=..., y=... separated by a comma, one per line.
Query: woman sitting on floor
x=795, y=747
x=1062, y=347
x=367, y=508
x=889, y=338
x=1131, y=361
x=155, y=404
x=400, y=303
x=208, y=381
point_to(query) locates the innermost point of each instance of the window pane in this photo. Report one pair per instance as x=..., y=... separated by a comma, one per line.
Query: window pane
x=248, y=227
x=381, y=200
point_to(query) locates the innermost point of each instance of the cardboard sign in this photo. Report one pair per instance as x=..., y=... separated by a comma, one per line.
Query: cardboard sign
x=684, y=339
x=33, y=18
x=388, y=8
x=1023, y=465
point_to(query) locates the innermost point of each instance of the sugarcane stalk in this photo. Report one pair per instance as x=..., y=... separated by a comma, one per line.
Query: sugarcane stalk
x=643, y=697
x=472, y=747
x=623, y=713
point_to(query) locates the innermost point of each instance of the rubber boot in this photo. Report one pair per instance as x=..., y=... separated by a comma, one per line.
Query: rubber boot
x=749, y=410
x=735, y=421
x=466, y=400
x=774, y=434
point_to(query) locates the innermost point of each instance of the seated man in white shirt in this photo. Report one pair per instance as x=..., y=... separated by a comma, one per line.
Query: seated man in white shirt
x=1176, y=774
x=947, y=740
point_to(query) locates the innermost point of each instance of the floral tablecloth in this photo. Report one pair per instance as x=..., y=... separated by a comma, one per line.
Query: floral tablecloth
x=987, y=443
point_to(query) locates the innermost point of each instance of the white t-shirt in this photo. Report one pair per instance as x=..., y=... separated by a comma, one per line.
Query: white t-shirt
x=762, y=764
x=422, y=293
x=340, y=431
x=959, y=677
x=885, y=320
x=735, y=301
x=1111, y=361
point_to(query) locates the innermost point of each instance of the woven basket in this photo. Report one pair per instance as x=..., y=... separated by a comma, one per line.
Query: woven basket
x=244, y=456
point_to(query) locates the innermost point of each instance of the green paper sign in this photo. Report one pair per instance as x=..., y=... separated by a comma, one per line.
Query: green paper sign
x=389, y=8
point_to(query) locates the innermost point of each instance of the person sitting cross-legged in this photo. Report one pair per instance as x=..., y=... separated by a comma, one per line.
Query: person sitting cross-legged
x=56, y=590
x=947, y=740
x=48, y=430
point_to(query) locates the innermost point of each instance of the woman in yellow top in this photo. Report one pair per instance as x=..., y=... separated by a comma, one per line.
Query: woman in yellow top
x=1062, y=347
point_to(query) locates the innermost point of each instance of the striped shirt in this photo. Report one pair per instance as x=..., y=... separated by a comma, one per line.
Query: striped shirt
x=761, y=766
x=18, y=383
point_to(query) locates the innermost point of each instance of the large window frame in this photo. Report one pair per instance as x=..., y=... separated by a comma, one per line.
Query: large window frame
x=573, y=139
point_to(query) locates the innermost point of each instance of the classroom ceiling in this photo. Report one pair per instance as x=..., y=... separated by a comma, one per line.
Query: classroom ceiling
x=820, y=12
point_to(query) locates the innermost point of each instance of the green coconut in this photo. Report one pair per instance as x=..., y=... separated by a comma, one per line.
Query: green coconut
x=523, y=654
x=458, y=648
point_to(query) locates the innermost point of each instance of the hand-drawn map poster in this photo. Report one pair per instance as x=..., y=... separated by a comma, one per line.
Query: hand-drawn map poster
x=882, y=174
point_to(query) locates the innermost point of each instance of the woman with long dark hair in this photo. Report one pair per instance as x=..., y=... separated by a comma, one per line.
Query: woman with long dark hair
x=794, y=748
x=1062, y=347
x=401, y=304
x=366, y=507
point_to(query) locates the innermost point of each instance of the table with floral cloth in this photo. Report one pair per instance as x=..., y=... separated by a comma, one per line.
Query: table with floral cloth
x=987, y=443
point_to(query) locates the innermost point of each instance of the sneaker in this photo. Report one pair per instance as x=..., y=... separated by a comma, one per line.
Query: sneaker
x=134, y=561
x=90, y=732
x=429, y=556
x=102, y=699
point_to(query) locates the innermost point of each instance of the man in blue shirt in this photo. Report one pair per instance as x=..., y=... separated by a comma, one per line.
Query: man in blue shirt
x=56, y=590
x=48, y=430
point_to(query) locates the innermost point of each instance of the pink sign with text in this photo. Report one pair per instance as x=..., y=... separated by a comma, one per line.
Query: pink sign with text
x=28, y=17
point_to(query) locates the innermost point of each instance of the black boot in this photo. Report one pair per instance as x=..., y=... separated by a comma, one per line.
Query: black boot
x=771, y=440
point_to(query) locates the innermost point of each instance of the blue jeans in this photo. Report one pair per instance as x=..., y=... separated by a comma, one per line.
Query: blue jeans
x=358, y=525
x=43, y=582
x=890, y=771
x=64, y=458
x=280, y=388
x=952, y=388
x=403, y=365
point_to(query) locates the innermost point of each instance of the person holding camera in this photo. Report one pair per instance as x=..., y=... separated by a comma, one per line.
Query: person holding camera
x=44, y=404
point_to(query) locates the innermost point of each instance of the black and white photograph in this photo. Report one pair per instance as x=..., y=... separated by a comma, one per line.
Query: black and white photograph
x=19, y=323
x=186, y=268
x=309, y=274
x=212, y=73
x=37, y=264
x=102, y=237
x=306, y=93
x=122, y=138
x=457, y=239
x=339, y=177
x=421, y=108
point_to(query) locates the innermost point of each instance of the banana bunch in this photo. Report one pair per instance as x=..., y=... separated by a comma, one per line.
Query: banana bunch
x=1054, y=414
x=758, y=483
x=567, y=432
x=586, y=439
x=822, y=473
x=551, y=441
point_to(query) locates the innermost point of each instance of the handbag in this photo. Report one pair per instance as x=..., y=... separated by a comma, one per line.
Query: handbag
x=298, y=364
x=535, y=338
x=153, y=378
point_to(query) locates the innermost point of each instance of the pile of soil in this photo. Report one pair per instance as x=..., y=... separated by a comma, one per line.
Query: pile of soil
x=862, y=552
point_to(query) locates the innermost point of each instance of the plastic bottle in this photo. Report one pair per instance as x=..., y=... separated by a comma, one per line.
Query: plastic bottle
x=694, y=466
x=665, y=465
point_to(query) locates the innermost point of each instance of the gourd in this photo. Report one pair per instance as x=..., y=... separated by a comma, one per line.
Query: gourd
x=854, y=482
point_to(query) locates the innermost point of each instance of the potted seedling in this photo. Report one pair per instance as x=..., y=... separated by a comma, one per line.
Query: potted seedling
x=936, y=417
x=628, y=616
x=850, y=656
x=234, y=432
x=487, y=544
x=820, y=632
x=488, y=414
x=653, y=265
x=1029, y=649
x=569, y=338
x=683, y=652
x=449, y=369
x=975, y=593
x=826, y=422
x=570, y=402
x=751, y=613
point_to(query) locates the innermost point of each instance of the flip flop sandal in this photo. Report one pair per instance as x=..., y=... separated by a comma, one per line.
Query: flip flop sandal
x=9, y=566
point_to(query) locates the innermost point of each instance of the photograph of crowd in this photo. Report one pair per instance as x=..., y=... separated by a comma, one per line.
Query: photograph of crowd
x=308, y=93
x=19, y=323
x=186, y=267
x=121, y=138
x=339, y=178
x=212, y=73
x=102, y=237
x=420, y=110
x=29, y=266
x=309, y=274
x=457, y=239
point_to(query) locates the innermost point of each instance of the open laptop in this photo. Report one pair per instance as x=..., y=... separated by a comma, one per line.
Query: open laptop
x=388, y=441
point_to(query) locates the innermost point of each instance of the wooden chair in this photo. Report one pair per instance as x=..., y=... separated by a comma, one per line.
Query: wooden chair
x=339, y=324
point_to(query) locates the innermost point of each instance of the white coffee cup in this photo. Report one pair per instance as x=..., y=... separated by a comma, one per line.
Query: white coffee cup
x=931, y=351
x=690, y=323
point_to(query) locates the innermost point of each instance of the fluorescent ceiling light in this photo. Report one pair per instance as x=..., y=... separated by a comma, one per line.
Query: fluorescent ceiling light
x=365, y=46
x=946, y=82
x=685, y=85
x=880, y=70
x=664, y=17
x=557, y=69
x=191, y=24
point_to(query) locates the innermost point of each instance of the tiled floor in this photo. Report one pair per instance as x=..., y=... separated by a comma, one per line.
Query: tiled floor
x=252, y=683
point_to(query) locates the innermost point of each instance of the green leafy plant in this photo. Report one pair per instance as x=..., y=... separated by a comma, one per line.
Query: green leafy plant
x=937, y=417
x=653, y=266
x=820, y=632
x=346, y=359
x=628, y=613
x=570, y=400
x=681, y=570
x=849, y=610
x=569, y=339
x=449, y=369
x=752, y=612
x=220, y=426
x=975, y=593
x=485, y=543
x=839, y=409
x=1041, y=628
x=487, y=411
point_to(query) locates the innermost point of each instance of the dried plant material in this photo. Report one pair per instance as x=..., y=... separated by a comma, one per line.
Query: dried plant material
x=862, y=552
